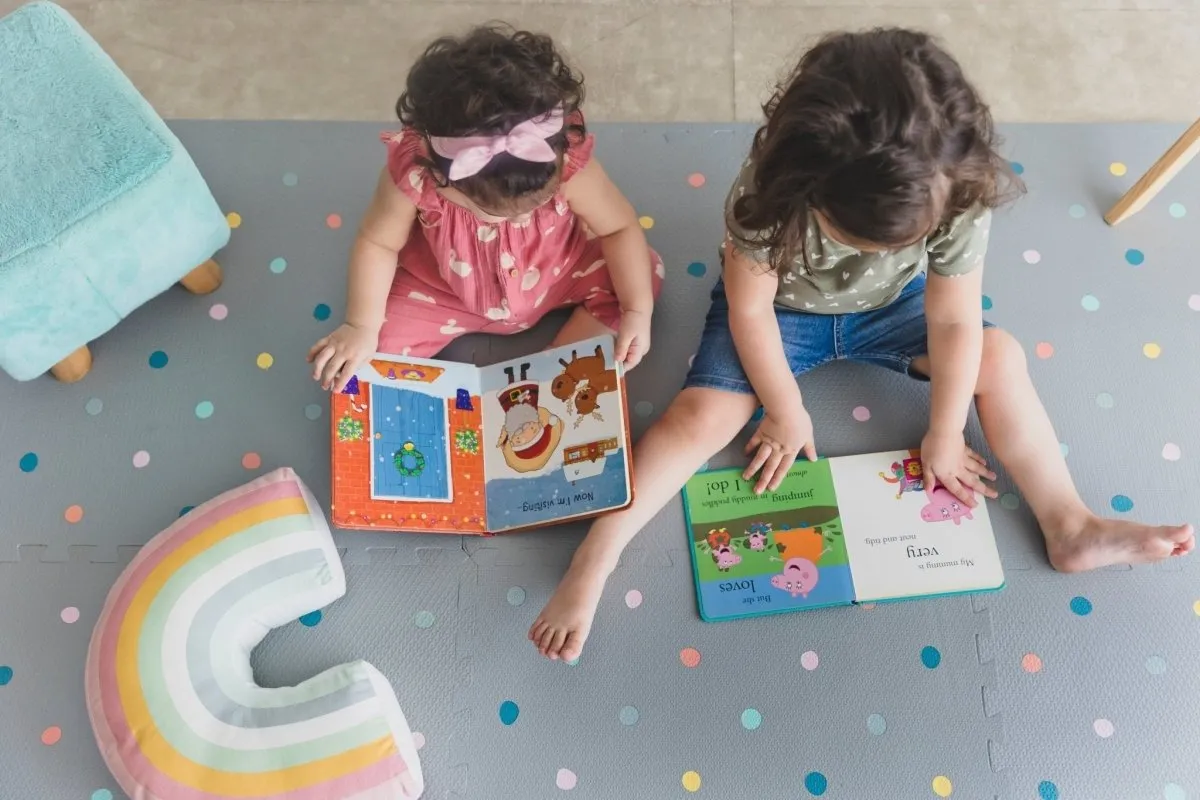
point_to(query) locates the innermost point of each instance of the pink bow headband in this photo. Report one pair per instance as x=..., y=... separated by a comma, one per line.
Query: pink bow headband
x=527, y=141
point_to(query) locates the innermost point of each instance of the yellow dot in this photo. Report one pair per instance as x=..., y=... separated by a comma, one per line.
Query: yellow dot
x=1117, y=168
x=1196, y=607
x=264, y=360
x=234, y=219
x=942, y=786
x=647, y=223
x=1151, y=350
x=691, y=781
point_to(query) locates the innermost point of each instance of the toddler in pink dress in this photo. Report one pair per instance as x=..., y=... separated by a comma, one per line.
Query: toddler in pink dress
x=491, y=212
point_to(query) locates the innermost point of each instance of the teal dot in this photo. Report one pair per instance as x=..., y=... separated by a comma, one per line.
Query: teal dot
x=278, y=265
x=987, y=303
x=158, y=359
x=1047, y=790
x=1064, y=449
x=1081, y=606
x=185, y=510
x=28, y=462
x=94, y=406
x=644, y=408
x=102, y=794
x=697, y=269
x=1121, y=504
x=1135, y=257
x=1089, y=303
x=1077, y=211
x=628, y=715
x=509, y=711
x=312, y=411
x=876, y=724
x=1173, y=791
x=6, y=675
x=1010, y=501
x=1156, y=665
x=751, y=719
x=1017, y=167
x=290, y=179
x=321, y=312
x=816, y=783
x=930, y=656
x=574, y=662
x=204, y=409
x=311, y=619
x=516, y=596
x=1177, y=210
x=424, y=619
x=758, y=414
x=1105, y=400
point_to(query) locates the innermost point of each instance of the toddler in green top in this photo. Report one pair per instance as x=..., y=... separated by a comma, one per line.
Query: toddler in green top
x=857, y=230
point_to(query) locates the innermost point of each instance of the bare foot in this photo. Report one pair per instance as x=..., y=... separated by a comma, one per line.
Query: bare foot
x=563, y=626
x=1094, y=542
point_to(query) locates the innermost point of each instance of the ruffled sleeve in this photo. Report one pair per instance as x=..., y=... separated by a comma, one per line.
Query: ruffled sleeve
x=578, y=154
x=405, y=148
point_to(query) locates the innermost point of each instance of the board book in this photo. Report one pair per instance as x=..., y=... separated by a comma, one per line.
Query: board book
x=438, y=446
x=837, y=531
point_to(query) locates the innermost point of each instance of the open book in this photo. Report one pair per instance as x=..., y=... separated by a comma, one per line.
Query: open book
x=438, y=446
x=838, y=531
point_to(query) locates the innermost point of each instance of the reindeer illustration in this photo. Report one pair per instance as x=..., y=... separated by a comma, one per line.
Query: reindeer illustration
x=581, y=383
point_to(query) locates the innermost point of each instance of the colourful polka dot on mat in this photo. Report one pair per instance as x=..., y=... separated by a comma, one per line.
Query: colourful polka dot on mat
x=1077, y=211
x=264, y=360
x=861, y=413
x=234, y=219
x=566, y=780
x=816, y=783
x=334, y=221
x=69, y=615
x=6, y=675
x=628, y=715
x=219, y=311
x=697, y=269
x=424, y=619
x=509, y=711
x=73, y=514
x=312, y=619
x=278, y=265
x=1177, y=210
x=1117, y=168
x=1173, y=791
x=643, y=408
x=758, y=414
x=810, y=660
x=158, y=359
x=751, y=719
x=1121, y=503
x=696, y=180
x=689, y=657
x=515, y=596
x=251, y=461
x=51, y=735
x=1105, y=400
x=1089, y=303
x=1135, y=257
x=1017, y=167
x=312, y=411
x=1081, y=606
x=633, y=598
x=1171, y=451
x=185, y=510
x=418, y=740
x=28, y=462
x=1151, y=350
x=1010, y=501
x=1103, y=728
x=646, y=222
x=1196, y=608
x=290, y=179
x=574, y=662
x=987, y=303
x=1156, y=665
x=942, y=786
x=691, y=781
x=204, y=409
x=93, y=406
x=1193, y=304
x=1064, y=448
x=1044, y=350
x=140, y=459
x=930, y=656
x=1047, y=790
x=102, y=794
x=1031, y=256
x=321, y=312
x=876, y=725
x=1031, y=663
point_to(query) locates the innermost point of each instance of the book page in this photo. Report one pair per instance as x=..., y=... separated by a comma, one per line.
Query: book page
x=763, y=554
x=555, y=444
x=903, y=543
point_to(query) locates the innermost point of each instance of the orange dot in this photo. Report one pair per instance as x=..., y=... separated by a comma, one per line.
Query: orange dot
x=334, y=221
x=252, y=461
x=73, y=514
x=1031, y=663
x=1044, y=350
x=234, y=219
x=696, y=180
x=51, y=735
x=690, y=657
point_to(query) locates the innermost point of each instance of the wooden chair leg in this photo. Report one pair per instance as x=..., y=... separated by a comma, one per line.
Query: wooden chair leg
x=73, y=367
x=1158, y=176
x=203, y=279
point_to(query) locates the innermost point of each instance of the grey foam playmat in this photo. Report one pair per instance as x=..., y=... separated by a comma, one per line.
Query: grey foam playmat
x=1082, y=686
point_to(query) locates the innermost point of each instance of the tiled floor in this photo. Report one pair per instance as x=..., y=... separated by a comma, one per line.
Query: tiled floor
x=646, y=60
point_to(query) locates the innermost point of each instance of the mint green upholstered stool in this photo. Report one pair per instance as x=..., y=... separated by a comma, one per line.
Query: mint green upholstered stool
x=101, y=208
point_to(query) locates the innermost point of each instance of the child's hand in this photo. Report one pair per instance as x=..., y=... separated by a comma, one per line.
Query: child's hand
x=633, y=338
x=338, y=355
x=949, y=463
x=778, y=440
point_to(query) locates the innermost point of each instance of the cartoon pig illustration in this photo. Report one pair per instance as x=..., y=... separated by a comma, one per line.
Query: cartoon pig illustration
x=798, y=578
x=943, y=506
x=757, y=541
x=725, y=558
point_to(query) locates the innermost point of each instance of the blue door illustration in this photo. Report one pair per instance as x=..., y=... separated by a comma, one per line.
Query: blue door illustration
x=409, y=446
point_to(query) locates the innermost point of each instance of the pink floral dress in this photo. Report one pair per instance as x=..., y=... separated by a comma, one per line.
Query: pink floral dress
x=461, y=274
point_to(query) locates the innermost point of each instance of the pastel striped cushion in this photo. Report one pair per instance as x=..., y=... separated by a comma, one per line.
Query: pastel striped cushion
x=170, y=691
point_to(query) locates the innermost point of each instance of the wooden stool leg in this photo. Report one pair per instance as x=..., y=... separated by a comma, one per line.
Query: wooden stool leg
x=73, y=367
x=1158, y=176
x=203, y=279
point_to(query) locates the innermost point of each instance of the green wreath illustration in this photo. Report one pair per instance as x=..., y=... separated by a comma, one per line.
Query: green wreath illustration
x=409, y=461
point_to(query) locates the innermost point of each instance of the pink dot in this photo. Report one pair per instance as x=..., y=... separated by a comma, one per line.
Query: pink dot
x=140, y=459
x=1031, y=663
x=252, y=461
x=633, y=598
x=1103, y=728
x=219, y=311
x=1044, y=350
x=1194, y=302
x=566, y=780
x=334, y=221
x=696, y=180
x=73, y=514
x=862, y=413
x=69, y=615
x=1171, y=451
x=690, y=657
x=867, y=606
x=418, y=739
x=809, y=660
x=51, y=735
x=1031, y=256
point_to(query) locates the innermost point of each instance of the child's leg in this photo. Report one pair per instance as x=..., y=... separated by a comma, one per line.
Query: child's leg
x=597, y=310
x=421, y=320
x=698, y=423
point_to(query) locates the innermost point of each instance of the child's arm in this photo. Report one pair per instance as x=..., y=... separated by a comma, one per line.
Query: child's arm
x=384, y=230
x=602, y=207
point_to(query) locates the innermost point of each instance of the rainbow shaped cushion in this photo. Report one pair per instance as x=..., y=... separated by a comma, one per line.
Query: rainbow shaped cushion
x=170, y=691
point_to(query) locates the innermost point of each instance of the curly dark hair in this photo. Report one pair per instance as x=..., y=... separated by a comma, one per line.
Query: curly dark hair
x=486, y=83
x=881, y=133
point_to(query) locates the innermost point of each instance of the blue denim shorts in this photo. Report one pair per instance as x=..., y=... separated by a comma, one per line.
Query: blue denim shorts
x=889, y=337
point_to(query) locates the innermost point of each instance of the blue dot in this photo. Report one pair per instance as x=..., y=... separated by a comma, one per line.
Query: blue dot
x=697, y=269
x=930, y=656
x=1081, y=605
x=644, y=408
x=987, y=303
x=290, y=179
x=1135, y=257
x=1089, y=303
x=628, y=715
x=1121, y=503
x=1077, y=211
x=312, y=411
x=1173, y=791
x=1177, y=210
x=1156, y=665
x=424, y=619
x=751, y=719
x=1047, y=790
x=816, y=783
x=758, y=414
x=321, y=312
x=311, y=619
x=158, y=359
x=876, y=724
x=28, y=462
x=509, y=712
x=94, y=406
x=1017, y=167
x=6, y=675
x=102, y=794
x=185, y=510
x=278, y=265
